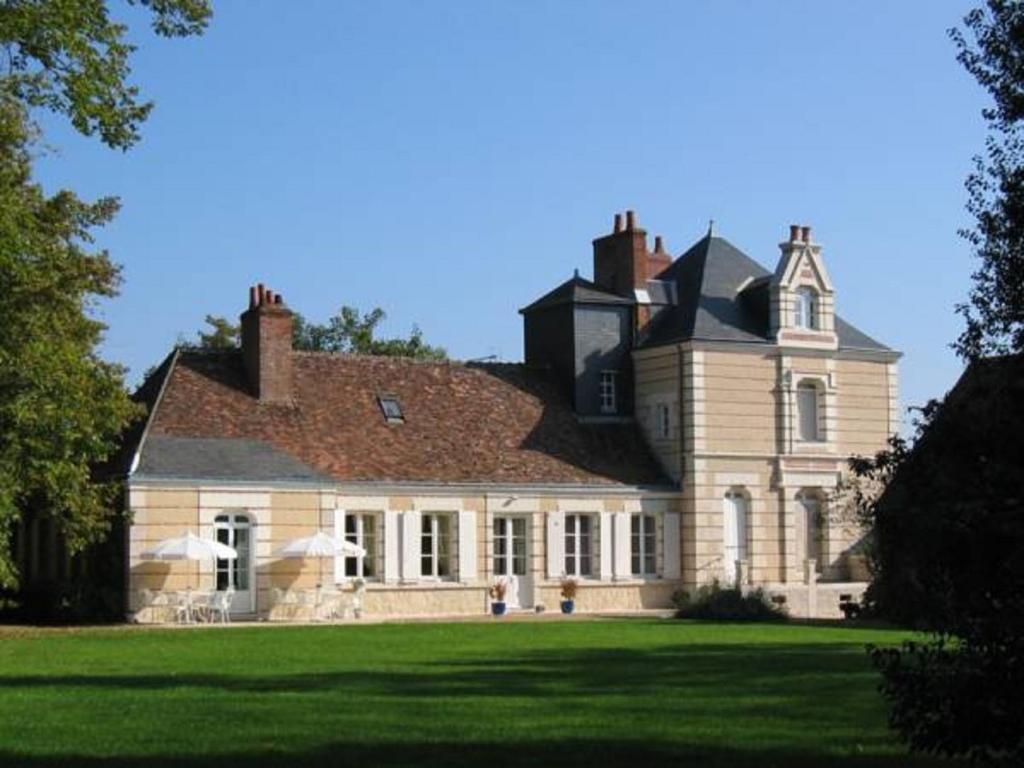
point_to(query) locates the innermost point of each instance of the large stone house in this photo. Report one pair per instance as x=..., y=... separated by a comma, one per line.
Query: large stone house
x=674, y=422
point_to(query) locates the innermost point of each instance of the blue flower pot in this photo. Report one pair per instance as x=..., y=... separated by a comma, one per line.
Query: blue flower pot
x=568, y=606
x=498, y=609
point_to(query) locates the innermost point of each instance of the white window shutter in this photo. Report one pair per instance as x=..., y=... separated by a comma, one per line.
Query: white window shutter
x=671, y=569
x=467, y=546
x=411, y=546
x=392, y=550
x=556, y=544
x=604, y=564
x=339, y=536
x=623, y=566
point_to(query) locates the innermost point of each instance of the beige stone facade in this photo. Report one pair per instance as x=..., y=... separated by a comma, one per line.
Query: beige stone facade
x=395, y=585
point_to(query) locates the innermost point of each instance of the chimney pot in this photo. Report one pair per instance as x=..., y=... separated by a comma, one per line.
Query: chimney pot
x=278, y=299
x=805, y=234
x=261, y=293
x=794, y=232
x=630, y=220
x=270, y=296
x=618, y=223
x=253, y=297
x=658, y=247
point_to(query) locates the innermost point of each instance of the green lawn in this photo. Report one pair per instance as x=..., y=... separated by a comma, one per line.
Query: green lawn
x=630, y=692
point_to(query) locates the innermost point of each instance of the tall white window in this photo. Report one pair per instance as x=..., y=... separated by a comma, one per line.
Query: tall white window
x=814, y=528
x=734, y=532
x=435, y=546
x=806, y=308
x=609, y=403
x=663, y=420
x=807, y=411
x=361, y=530
x=643, y=541
x=579, y=545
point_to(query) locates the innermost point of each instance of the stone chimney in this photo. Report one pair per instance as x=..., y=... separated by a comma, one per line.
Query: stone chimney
x=621, y=261
x=267, y=346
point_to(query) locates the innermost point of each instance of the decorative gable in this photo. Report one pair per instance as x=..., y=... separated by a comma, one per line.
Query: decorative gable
x=802, y=309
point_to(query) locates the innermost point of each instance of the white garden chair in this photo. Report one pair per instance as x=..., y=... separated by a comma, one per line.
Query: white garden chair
x=220, y=605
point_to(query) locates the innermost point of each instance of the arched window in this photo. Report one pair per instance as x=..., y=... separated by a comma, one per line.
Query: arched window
x=735, y=512
x=814, y=527
x=807, y=411
x=806, y=308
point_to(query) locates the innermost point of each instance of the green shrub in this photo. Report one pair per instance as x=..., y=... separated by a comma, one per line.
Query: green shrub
x=716, y=603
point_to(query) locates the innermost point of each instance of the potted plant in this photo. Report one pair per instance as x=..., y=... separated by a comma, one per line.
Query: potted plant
x=497, y=593
x=569, y=587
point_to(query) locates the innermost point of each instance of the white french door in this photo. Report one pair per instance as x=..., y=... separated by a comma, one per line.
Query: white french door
x=236, y=531
x=510, y=559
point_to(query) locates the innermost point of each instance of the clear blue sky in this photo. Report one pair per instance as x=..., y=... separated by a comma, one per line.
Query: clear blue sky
x=451, y=161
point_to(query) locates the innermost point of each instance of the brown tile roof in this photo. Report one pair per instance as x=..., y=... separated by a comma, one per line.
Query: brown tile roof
x=464, y=423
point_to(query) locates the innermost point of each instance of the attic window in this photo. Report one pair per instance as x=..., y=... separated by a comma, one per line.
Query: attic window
x=391, y=409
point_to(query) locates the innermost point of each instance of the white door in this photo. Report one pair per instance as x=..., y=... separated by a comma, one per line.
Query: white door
x=734, y=538
x=510, y=560
x=236, y=531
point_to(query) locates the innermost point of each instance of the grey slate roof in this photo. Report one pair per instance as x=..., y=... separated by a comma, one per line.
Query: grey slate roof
x=576, y=290
x=712, y=306
x=206, y=458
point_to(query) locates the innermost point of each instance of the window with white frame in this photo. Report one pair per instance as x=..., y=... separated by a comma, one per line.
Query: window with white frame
x=806, y=308
x=435, y=546
x=579, y=545
x=362, y=530
x=663, y=419
x=807, y=396
x=609, y=403
x=643, y=543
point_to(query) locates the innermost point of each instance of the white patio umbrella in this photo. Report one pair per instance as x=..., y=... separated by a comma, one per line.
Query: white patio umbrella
x=320, y=545
x=190, y=547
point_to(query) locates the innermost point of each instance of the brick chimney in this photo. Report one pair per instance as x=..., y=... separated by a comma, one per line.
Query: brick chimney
x=660, y=260
x=621, y=261
x=267, y=346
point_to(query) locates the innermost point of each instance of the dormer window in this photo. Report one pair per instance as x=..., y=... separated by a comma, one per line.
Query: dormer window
x=391, y=409
x=806, y=308
x=606, y=392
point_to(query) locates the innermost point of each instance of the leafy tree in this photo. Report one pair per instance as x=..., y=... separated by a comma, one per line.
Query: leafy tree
x=948, y=559
x=349, y=332
x=222, y=335
x=62, y=408
x=947, y=533
x=994, y=312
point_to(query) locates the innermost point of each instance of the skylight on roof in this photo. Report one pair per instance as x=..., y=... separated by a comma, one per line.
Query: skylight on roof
x=391, y=408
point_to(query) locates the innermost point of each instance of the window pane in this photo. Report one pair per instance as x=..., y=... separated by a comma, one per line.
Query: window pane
x=242, y=562
x=426, y=565
x=351, y=566
x=519, y=551
x=570, y=565
x=443, y=545
x=807, y=405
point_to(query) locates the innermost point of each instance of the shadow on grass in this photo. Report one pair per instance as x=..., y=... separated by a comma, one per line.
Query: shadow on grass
x=811, y=694
x=726, y=669
x=570, y=753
